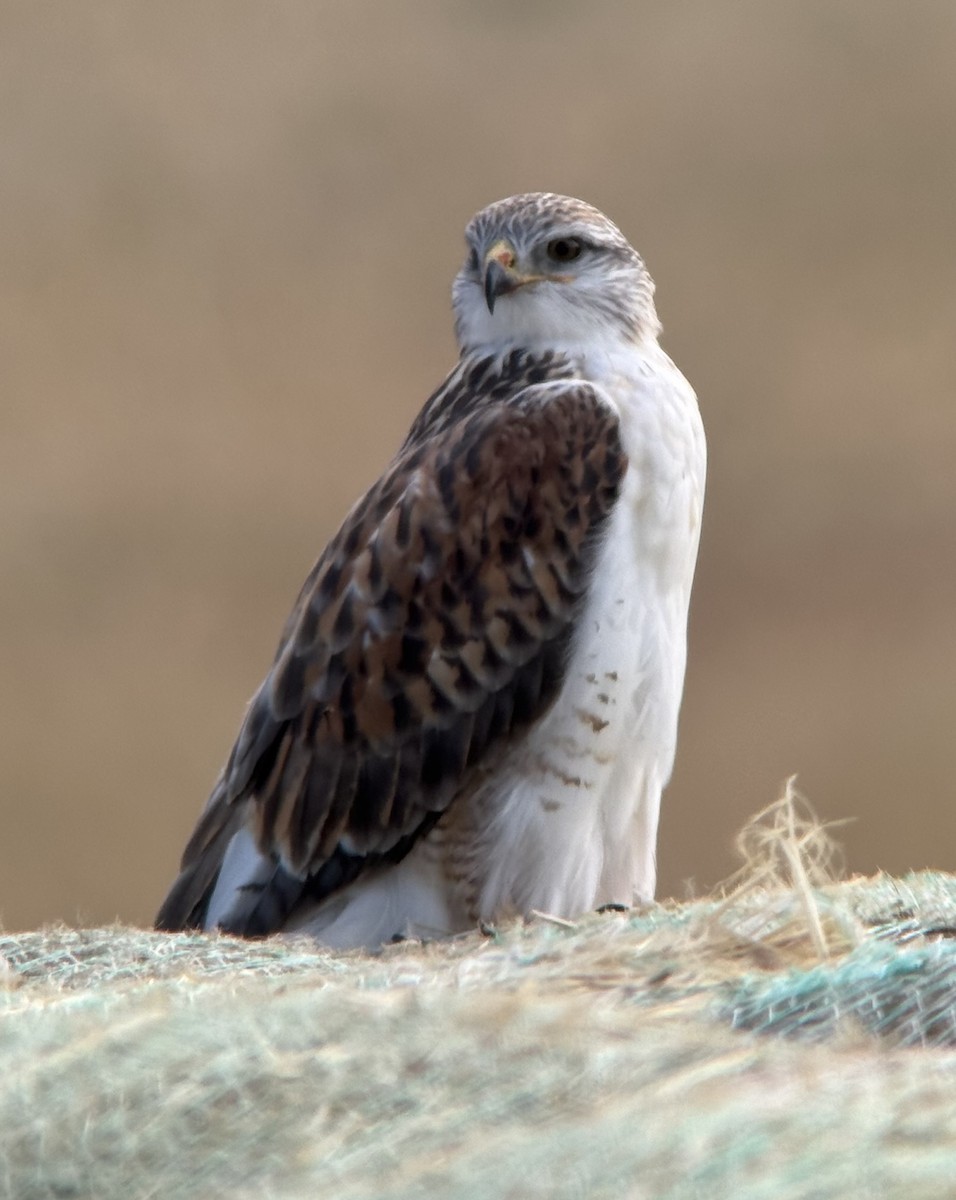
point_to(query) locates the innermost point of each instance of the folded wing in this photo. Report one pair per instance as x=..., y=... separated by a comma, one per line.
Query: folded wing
x=432, y=631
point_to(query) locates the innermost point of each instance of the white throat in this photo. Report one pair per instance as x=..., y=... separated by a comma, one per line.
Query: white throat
x=546, y=317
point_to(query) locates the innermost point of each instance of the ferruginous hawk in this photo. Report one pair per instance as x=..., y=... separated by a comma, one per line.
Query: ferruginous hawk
x=473, y=707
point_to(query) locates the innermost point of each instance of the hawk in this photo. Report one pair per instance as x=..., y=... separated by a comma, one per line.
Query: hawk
x=473, y=707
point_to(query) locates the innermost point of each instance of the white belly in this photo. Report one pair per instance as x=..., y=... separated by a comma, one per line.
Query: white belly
x=573, y=820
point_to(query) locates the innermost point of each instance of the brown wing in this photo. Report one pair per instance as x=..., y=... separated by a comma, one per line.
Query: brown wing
x=433, y=628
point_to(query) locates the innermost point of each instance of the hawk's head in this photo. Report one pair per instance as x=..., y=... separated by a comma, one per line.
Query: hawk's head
x=550, y=269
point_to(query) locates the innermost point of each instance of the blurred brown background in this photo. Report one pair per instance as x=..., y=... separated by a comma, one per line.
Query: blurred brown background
x=227, y=234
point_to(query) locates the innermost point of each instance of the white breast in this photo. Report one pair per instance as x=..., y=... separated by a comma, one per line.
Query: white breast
x=572, y=821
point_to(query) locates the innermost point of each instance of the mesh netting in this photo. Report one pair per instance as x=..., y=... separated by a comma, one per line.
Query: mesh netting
x=908, y=996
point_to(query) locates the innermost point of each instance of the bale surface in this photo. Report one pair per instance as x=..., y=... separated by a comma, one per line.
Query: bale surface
x=715, y=1048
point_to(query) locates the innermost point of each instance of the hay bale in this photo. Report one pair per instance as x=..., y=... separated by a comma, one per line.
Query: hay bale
x=733, y=1046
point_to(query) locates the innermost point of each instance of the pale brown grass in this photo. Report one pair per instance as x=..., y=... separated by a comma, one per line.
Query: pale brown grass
x=713, y=1048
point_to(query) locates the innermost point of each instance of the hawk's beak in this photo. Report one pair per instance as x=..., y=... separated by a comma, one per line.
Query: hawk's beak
x=500, y=275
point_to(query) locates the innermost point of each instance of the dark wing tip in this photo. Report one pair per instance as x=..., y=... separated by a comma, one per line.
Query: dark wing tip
x=187, y=900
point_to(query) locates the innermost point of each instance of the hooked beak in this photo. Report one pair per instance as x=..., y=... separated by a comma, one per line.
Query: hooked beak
x=500, y=275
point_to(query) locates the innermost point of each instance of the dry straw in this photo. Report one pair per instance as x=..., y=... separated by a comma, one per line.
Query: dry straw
x=787, y=1038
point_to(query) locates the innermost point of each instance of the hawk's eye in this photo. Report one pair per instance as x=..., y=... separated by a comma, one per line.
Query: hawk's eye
x=564, y=250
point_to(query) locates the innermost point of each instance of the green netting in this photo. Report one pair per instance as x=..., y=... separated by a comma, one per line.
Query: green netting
x=906, y=995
